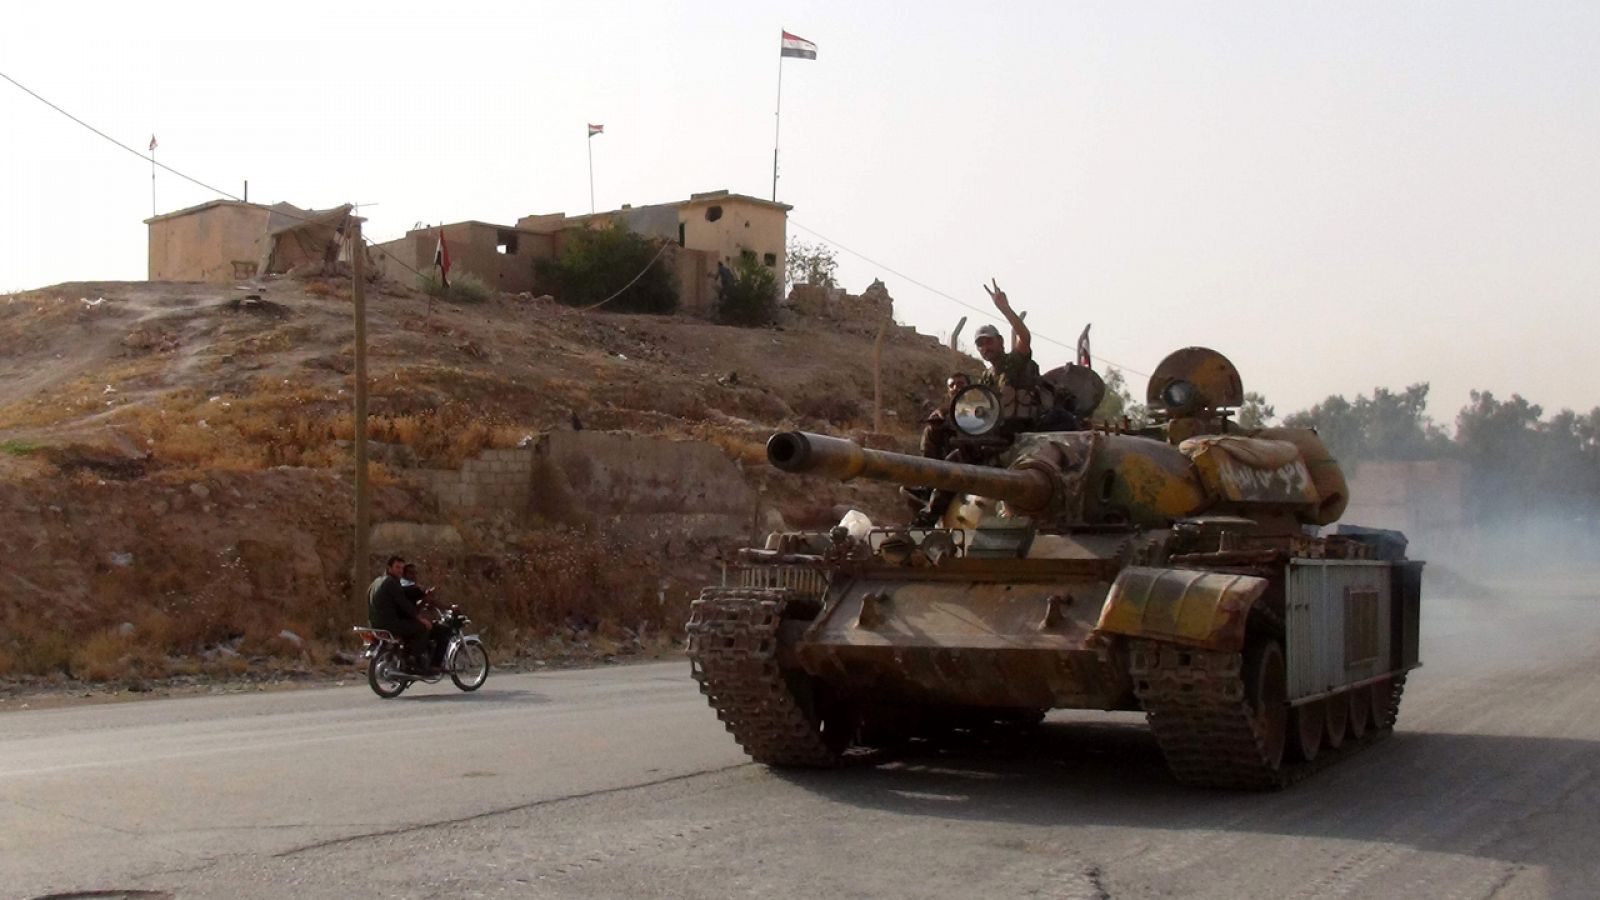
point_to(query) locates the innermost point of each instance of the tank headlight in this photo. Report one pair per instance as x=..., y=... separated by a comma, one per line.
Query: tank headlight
x=976, y=410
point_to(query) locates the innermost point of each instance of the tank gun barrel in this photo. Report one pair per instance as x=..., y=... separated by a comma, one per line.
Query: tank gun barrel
x=1026, y=488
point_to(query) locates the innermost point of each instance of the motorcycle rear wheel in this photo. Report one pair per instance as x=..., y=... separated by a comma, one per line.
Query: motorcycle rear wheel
x=469, y=666
x=382, y=676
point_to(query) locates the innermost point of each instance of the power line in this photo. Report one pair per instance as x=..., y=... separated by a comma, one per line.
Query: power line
x=186, y=177
x=149, y=159
x=953, y=299
x=364, y=239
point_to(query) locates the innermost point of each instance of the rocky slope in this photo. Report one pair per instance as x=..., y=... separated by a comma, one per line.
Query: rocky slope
x=175, y=466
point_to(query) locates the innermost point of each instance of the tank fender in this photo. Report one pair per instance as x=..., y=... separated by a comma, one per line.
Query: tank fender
x=1193, y=607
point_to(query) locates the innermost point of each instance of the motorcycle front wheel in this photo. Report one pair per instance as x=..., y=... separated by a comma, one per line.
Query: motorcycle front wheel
x=383, y=675
x=469, y=666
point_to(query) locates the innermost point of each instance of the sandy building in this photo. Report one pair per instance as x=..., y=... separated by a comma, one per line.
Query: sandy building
x=228, y=240
x=501, y=255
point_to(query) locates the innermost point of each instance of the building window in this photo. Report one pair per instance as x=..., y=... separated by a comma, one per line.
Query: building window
x=747, y=255
x=505, y=243
x=680, y=234
x=713, y=213
x=771, y=260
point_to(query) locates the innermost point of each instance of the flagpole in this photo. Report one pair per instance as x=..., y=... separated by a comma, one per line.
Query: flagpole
x=591, y=171
x=152, y=179
x=777, y=127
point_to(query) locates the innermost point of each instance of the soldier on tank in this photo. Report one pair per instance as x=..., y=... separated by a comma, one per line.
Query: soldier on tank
x=1028, y=402
x=938, y=431
x=1006, y=369
x=928, y=505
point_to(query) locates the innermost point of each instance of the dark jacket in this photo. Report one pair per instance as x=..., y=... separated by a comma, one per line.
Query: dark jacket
x=387, y=605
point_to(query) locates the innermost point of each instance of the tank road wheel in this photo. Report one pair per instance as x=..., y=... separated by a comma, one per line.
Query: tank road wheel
x=1336, y=712
x=1221, y=719
x=1307, y=724
x=1266, y=691
x=1360, y=703
x=780, y=718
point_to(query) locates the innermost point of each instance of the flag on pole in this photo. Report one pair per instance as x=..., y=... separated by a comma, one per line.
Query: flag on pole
x=441, y=259
x=1083, y=348
x=798, y=47
x=596, y=129
x=152, y=143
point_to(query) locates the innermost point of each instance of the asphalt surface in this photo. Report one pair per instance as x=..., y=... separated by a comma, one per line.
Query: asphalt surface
x=620, y=782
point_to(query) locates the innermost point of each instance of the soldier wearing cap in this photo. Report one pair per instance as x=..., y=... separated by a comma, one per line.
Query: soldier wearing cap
x=1006, y=369
x=1013, y=373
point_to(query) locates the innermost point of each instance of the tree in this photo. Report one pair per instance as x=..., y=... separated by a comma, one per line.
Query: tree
x=753, y=297
x=1387, y=425
x=1256, y=412
x=1118, y=402
x=611, y=262
x=811, y=264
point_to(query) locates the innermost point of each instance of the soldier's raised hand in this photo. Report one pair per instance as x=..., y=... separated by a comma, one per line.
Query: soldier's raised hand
x=996, y=294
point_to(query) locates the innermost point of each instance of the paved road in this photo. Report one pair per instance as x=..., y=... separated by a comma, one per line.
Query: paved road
x=620, y=782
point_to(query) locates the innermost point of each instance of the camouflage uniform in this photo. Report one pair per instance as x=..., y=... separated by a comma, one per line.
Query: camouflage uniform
x=1013, y=370
x=1016, y=378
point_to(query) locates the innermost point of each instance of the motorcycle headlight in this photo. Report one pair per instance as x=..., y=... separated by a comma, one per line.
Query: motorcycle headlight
x=976, y=410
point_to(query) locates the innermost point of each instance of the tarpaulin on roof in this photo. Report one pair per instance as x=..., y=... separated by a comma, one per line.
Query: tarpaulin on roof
x=298, y=236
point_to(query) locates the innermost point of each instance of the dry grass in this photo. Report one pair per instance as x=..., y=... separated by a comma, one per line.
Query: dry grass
x=339, y=290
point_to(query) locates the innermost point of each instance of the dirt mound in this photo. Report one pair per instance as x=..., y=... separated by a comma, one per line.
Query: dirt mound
x=175, y=462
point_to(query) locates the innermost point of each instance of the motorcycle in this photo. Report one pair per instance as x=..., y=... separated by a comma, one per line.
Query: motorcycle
x=390, y=671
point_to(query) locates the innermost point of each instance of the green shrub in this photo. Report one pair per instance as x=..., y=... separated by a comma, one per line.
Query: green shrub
x=598, y=263
x=18, y=448
x=465, y=287
x=752, y=299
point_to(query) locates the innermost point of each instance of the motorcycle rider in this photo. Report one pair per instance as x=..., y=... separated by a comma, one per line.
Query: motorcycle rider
x=418, y=596
x=390, y=609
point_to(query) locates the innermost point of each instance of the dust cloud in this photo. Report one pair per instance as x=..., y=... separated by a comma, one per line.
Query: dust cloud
x=1510, y=595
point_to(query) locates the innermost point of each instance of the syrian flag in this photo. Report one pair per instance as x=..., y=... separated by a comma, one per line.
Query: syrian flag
x=596, y=129
x=441, y=259
x=1083, y=348
x=797, y=47
x=152, y=143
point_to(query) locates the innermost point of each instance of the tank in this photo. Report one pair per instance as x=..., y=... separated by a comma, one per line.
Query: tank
x=1183, y=571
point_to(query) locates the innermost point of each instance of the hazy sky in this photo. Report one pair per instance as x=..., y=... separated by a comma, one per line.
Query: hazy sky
x=1338, y=196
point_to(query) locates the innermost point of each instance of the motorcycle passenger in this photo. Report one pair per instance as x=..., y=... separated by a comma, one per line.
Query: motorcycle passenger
x=390, y=609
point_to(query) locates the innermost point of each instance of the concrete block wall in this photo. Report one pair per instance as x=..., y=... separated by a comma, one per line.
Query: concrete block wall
x=496, y=481
x=655, y=485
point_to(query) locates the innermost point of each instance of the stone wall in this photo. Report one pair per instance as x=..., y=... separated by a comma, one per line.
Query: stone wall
x=648, y=485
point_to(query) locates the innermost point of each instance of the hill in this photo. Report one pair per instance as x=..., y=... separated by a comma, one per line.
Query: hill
x=175, y=463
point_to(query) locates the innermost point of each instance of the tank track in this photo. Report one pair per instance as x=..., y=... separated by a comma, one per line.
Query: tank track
x=1195, y=702
x=733, y=653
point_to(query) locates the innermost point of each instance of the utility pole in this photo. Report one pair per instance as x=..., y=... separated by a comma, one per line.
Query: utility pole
x=358, y=294
x=877, y=375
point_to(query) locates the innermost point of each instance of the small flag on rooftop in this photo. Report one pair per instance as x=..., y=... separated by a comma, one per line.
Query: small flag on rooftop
x=796, y=46
x=596, y=129
x=1084, y=359
x=152, y=143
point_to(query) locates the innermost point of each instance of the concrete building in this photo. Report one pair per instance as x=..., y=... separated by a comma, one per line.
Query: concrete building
x=722, y=224
x=228, y=240
x=501, y=255
x=710, y=227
